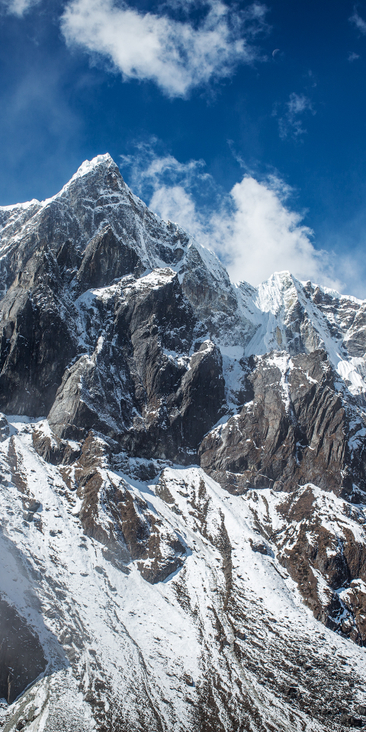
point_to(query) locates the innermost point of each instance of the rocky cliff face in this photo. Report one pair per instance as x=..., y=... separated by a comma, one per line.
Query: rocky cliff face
x=186, y=493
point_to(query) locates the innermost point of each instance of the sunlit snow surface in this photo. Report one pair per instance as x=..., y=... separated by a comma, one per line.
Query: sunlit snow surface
x=282, y=302
x=141, y=655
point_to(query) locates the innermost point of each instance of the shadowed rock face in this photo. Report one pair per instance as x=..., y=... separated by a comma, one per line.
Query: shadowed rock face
x=115, y=362
x=295, y=430
x=105, y=259
x=36, y=338
x=21, y=654
x=140, y=365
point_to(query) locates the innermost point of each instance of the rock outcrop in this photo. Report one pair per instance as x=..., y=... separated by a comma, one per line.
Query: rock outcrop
x=295, y=429
x=21, y=654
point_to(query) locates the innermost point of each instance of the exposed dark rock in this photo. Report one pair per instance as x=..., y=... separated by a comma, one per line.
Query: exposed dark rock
x=295, y=430
x=4, y=428
x=105, y=259
x=68, y=258
x=36, y=342
x=18, y=475
x=328, y=565
x=54, y=450
x=201, y=396
x=126, y=527
x=140, y=390
x=21, y=654
x=261, y=547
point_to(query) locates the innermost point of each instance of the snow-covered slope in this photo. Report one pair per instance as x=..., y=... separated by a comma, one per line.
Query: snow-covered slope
x=183, y=514
x=298, y=316
x=223, y=643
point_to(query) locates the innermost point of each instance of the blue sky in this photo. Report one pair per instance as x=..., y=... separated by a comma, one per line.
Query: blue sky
x=243, y=122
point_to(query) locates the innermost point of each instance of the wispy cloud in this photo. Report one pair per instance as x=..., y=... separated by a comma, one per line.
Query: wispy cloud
x=176, y=54
x=39, y=131
x=251, y=228
x=359, y=22
x=18, y=7
x=353, y=56
x=291, y=123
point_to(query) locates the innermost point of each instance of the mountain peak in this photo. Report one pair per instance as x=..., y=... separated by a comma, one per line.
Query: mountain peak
x=88, y=166
x=89, y=169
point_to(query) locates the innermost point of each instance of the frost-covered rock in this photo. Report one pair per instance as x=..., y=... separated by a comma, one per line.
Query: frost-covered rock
x=295, y=428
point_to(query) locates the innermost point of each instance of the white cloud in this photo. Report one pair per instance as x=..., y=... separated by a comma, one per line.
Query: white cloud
x=264, y=236
x=298, y=103
x=177, y=55
x=251, y=229
x=291, y=123
x=358, y=22
x=353, y=56
x=175, y=204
